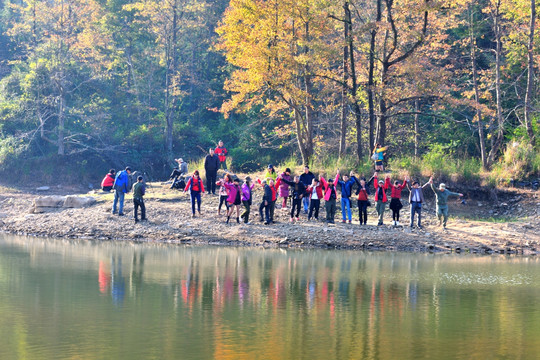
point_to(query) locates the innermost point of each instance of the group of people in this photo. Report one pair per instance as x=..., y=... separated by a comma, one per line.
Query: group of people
x=306, y=192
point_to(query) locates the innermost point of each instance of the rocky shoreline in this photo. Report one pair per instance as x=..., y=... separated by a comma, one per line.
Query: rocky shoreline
x=170, y=222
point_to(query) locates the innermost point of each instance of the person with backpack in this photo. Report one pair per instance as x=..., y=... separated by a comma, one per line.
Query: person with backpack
x=211, y=166
x=196, y=188
x=442, y=194
x=416, y=199
x=363, y=199
x=315, y=193
x=346, y=191
x=395, y=200
x=247, y=189
x=108, y=181
x=138, y=192
x=380, y=196
x=121, y=187
x=330, y=196
x=306, y=178
x=298, y=190
x=234, y=199
x=222, y=153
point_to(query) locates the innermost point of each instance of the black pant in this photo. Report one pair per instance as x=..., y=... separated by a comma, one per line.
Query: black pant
x=272, y=208
x=395, y=206
x=296, y=205
x=136, y=203
x=223, y=200
x=211, y=178
x=362, y=210
x=245, y=214
x=314, y=204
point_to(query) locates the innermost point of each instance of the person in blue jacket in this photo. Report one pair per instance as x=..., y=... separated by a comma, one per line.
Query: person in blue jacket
x=346, y=185
x=121, y=187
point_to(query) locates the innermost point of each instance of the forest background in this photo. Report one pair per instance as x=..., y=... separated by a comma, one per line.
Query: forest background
x=450, y=86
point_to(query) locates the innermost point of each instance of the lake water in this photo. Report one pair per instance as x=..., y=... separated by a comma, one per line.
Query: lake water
x=64, y=299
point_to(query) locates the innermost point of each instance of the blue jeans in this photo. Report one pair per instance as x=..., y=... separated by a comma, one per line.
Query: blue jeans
x=118, y=195
x=195, y=196
x=416, y=208
x=305, y=201
x=346, y=205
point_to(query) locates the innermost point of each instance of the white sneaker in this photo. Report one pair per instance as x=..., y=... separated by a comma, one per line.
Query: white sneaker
x=393, y=223
x=397, y=223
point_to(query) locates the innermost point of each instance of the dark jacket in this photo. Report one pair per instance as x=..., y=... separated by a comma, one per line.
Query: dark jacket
x=138, y=190
x=307, y=179
x=211, y=163
x=267, y=193
x=298, y=188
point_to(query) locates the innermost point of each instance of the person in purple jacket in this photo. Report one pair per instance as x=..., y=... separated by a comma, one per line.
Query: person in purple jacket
x=247, y=188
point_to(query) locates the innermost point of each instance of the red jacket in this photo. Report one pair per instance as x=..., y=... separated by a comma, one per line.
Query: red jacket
x=273, y=188
x=221, y=152
x=396, y=190
x=195, y=185
x=381, y=188
x=318, y=189
x=108, y=180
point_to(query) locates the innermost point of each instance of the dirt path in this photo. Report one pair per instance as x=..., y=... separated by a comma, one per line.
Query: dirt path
x=170, y=221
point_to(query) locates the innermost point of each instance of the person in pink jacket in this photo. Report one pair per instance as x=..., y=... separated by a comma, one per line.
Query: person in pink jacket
x=284, y=187
x=330, y=196
x=380, y=195
x=234, y=199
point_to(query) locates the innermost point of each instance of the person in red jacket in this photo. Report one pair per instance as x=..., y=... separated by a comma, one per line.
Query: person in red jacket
x=196, y=188
x=380, y=195
x=108, y=181
x=222, y=153
x=395, y=202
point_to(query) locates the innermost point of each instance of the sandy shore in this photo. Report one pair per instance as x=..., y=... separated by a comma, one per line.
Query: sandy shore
x=170, y=221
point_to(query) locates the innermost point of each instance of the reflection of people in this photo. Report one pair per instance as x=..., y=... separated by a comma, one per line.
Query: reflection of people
x=442, y=195
x=104, y=278
x=121, y=187
x=117, y=282
x=108, y=181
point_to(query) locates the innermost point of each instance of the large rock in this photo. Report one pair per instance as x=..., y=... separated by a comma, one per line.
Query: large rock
x=46, y=203
x=79, y=201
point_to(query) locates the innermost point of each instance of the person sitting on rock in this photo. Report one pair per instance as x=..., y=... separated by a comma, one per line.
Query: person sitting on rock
x=182, y=166
x=108, y=181
x=138, y=201
x=442, y=195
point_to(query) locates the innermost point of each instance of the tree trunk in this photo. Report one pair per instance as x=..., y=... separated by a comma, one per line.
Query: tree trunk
x=500, y=120
x=416, y=135
x=481, y=136
x=530, y=75
x=171, y=82
x=345, y=90
x=371, y=75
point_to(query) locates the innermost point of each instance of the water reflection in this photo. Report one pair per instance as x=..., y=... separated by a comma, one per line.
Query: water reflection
x=155, y=301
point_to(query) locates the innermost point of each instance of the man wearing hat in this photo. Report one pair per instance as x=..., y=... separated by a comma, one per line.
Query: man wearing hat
x=380, y=195
x=442, y=195
x=416, y=199
x=138, y=201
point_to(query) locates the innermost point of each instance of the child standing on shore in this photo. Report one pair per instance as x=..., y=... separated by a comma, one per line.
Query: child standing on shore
x=315, y=193
x=395, y=201
x=380, y=196
x=223, y=193
x=196, y=188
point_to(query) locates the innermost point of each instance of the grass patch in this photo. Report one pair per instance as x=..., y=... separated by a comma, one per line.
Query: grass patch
x=490, y=219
